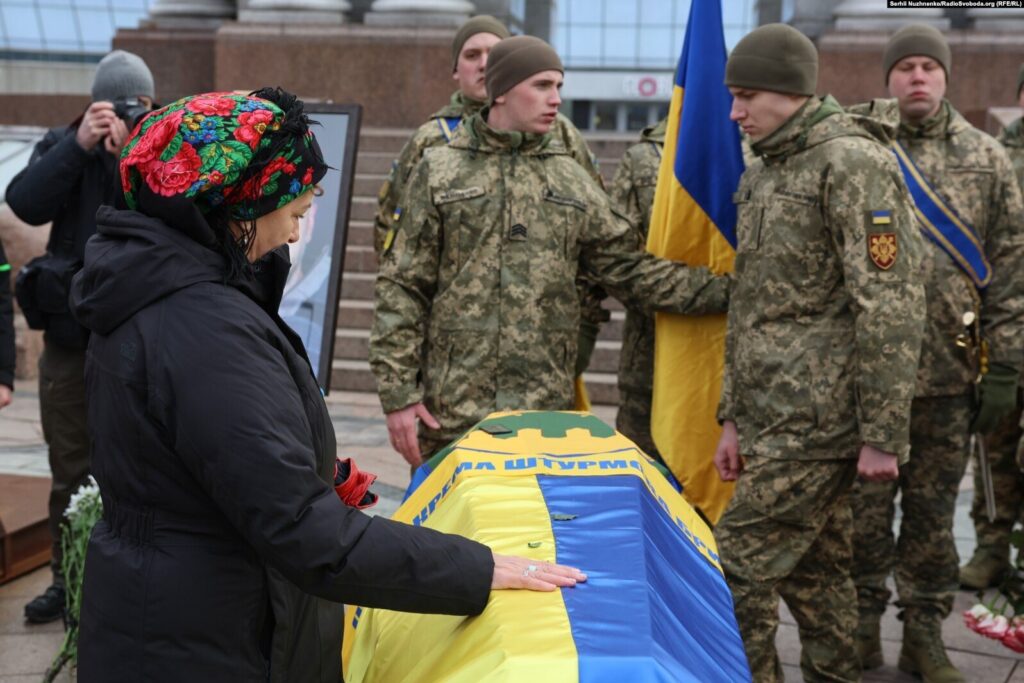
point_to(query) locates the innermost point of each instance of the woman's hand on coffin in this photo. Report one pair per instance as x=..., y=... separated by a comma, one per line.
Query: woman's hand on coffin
x=521, y=572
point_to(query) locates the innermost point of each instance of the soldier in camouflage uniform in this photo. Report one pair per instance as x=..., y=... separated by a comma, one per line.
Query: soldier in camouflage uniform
x=991, y=557
x=969, y=172
x=632, y=193
x=470, y=48
x=824, y=331
x=476, y=309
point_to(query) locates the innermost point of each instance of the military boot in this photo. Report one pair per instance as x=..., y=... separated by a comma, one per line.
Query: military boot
x=986, y=568
x=869, y=642
x=924, y=655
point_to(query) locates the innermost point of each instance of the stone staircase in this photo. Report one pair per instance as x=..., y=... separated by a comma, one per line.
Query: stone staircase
x=350, y=368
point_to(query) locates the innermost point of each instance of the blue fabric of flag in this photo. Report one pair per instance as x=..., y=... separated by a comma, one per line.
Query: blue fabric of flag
x=654, y=586
x=708, y=157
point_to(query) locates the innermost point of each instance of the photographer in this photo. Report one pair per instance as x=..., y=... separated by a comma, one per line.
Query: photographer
x=73, y=170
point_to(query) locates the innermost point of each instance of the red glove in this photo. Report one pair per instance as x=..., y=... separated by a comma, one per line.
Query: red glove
x=353, y=486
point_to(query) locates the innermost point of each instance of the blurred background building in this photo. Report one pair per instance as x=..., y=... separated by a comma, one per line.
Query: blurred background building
x=392, y=57
x=619, y=54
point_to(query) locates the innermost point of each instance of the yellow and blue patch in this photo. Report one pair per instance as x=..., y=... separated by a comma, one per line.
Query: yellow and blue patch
x=881, y=217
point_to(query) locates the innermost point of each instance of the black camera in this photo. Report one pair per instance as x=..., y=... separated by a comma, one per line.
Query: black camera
x=130, y=110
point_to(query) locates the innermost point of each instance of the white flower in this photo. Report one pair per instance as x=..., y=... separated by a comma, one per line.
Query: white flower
x=87, y=496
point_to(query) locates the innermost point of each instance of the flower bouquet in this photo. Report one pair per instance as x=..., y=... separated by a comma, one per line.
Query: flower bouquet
x=1002, y=618
x=84, y=510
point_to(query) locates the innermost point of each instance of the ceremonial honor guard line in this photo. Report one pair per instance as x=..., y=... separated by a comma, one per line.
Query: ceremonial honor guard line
x=561, y=487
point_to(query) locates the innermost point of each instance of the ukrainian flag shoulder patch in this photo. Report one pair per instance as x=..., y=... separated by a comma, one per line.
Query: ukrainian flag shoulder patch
x=881, y=217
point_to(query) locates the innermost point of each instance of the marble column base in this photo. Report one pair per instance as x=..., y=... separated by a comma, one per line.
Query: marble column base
x=413, y=19
x=191, y=13
x=290, y=16
x=888, y=23
x=997, y=19
x=874, y=15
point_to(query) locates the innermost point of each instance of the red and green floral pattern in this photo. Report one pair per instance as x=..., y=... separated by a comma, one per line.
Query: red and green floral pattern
x=199, y=147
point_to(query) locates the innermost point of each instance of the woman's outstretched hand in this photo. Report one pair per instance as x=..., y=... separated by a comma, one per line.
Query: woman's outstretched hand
x=521, y=572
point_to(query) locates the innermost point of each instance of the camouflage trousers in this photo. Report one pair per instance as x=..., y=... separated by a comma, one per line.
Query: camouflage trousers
x=1007, y=483
x=924, y=558
x=786, y=533
x=634, y=420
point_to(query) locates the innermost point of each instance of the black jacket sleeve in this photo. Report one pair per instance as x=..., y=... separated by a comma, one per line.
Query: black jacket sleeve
x=234, y=415
x=6, y=323
x=43, y=187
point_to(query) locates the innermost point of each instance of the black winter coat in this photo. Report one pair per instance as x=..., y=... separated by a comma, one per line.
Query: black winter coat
x=212, y=446
x=65, y=184
x=7, y=351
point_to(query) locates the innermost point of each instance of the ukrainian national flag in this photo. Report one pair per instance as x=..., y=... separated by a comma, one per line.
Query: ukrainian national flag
x=694, y=221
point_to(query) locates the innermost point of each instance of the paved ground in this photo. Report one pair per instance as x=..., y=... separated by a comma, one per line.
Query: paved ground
x=26, y=651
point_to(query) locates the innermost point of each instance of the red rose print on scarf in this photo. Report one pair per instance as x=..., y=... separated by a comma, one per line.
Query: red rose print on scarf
x=253, y=188
x=277, y=164
x=251, y=125
x=307, y=177
x=175, y=176
x=212, y=106
x=154, y=140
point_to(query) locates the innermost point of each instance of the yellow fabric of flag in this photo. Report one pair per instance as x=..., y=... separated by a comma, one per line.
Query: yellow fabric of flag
x=693, y=220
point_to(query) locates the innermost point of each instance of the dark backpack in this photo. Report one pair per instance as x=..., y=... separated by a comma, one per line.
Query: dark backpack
x=42, y=290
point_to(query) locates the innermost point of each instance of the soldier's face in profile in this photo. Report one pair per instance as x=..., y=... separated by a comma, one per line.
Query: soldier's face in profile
x=532, y=105
x=760, y=113
x=472, y=64
x=918, y=83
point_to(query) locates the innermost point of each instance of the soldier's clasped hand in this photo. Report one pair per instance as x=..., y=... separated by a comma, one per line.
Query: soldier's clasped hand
x=876, y=465
x=727, y=455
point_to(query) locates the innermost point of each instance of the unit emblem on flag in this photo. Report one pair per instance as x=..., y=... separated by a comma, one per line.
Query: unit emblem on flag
x=882, y=249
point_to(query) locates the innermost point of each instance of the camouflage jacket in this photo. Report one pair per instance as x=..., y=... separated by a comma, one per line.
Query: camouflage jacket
x=826, y=313
x=632, y=193
x=476, y=309
x=431, y=134
x=1012, y=138
x=974, y=175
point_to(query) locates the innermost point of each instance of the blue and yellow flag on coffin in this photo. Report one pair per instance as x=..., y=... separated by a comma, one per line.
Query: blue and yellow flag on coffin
x=694, y=221
x=561, y=487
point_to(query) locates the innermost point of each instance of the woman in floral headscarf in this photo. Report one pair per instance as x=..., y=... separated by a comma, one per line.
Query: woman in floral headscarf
x=224, y=549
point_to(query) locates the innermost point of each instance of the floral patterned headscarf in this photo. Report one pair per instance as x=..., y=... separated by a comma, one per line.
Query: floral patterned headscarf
x=241, y=151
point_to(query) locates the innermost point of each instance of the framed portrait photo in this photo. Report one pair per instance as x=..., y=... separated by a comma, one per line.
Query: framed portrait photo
x=310, y=301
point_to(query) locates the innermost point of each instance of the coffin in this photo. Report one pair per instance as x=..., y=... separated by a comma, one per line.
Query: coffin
x=561, y=487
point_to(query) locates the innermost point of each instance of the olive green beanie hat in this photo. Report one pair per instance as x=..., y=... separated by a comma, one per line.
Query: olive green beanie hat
x=483, y=23
x=774, y=57
x=1020, y=79
x=917, y=40
x=515, y=59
